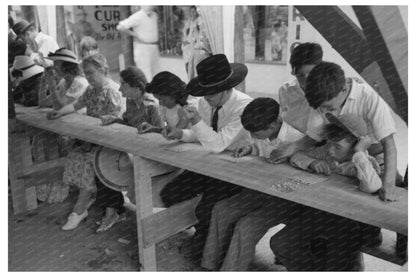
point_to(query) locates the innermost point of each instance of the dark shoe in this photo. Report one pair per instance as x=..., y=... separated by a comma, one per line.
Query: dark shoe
x=372, y=238
x=401, y=246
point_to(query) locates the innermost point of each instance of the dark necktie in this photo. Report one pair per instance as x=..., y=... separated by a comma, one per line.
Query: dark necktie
x=214, y=123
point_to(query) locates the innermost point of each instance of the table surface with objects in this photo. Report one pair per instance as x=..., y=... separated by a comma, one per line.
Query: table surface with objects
x=334, y=194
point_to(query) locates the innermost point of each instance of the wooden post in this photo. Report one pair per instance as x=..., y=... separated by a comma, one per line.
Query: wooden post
x=144, y=206
x=239, y=41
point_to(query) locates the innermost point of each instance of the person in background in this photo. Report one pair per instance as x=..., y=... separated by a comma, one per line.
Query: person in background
x=172, y=96
x=41, y=44
x=142, y=26
x=88, y=47
x=102, y=97
x=71, y=85
x=28, y=75
x=190, y=36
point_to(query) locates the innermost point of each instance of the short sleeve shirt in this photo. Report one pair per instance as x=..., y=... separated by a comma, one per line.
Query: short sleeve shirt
x=102, y=101
x=363, y=101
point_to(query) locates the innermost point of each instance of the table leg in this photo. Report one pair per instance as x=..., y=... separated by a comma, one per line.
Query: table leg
x=23, y=198
x=144, y=205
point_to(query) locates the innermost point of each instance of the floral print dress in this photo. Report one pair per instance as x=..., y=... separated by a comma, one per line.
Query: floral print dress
x=79, y=170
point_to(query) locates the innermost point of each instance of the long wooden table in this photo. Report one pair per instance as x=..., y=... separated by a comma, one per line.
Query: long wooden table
x=337, y=194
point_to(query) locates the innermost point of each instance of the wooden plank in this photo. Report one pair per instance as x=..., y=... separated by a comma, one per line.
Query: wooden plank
x=143, y=189
x=162, y=225
x=338, y=195
x=40, y=178
x=387, y=250
x=41, y=167
x=17, y=186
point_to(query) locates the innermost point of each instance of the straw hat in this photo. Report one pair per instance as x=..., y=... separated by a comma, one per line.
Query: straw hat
x=26, y=66
x=115, y=168
x=20, y=27
x=63, y=54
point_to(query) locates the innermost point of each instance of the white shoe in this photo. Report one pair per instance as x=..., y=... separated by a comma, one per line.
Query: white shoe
x=73, y=220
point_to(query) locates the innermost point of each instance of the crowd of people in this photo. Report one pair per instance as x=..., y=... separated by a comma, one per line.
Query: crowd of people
x=322, y=121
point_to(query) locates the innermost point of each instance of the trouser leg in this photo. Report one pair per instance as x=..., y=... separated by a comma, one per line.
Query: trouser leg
x=224, y=216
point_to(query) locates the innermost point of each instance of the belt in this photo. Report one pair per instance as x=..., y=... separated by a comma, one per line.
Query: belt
x=142, y=42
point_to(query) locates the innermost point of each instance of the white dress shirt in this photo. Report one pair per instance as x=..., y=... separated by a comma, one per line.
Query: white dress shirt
x=231, y=133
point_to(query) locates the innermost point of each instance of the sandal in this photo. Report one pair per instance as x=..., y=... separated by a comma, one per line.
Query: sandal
x=104, y=226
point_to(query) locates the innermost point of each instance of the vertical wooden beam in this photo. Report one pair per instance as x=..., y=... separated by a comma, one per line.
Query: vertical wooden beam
x=143, y=195
x=61, y=30
x=239, y=41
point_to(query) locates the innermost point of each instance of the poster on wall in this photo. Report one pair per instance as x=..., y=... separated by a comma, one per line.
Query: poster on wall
x=100, y=23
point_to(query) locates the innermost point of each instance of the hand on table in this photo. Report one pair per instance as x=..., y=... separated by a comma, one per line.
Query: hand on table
x=147, y=128
x=242, y=151
x=53, y=114
x=107, y=119
x=388, y=193
x=320, y=166
x=172, y=133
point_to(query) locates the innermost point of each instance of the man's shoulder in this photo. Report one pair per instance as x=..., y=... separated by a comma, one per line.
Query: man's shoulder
x=241, y=97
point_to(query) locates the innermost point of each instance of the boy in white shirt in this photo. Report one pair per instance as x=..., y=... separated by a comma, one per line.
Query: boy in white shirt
x=317, y=240
x=230, y=248
x=328, y=91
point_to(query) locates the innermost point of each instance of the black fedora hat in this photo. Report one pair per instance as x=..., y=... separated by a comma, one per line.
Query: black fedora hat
x=216, y=74
x=20, y=27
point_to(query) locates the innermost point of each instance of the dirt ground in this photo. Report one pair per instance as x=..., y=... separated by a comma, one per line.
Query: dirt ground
x=36, y=243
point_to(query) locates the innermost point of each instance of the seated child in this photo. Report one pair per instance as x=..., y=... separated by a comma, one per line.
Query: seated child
x=317, y=240
x=239, y=222
x=172, y=96
x=345, y=153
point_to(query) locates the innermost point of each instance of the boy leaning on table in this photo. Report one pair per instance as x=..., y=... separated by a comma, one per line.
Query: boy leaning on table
x=317, y=240
x=239, y=222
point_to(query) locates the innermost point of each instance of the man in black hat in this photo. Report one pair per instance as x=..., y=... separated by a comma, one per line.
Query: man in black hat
x=217, y=126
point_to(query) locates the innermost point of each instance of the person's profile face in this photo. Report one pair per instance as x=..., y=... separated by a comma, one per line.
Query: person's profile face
x=214, y=100
x=302, y=73
x=127, y=91
x=340, y=151
x=94, y=75
x=334, y=105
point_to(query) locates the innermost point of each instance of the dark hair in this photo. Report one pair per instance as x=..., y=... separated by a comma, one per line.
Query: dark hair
x=305, y=53
x=336, y=133
x=134, y=77
x=70, y=68
x=259, y=114
x=16, y=48
x=324, y=82
x=168, y=84
x=11, y=21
